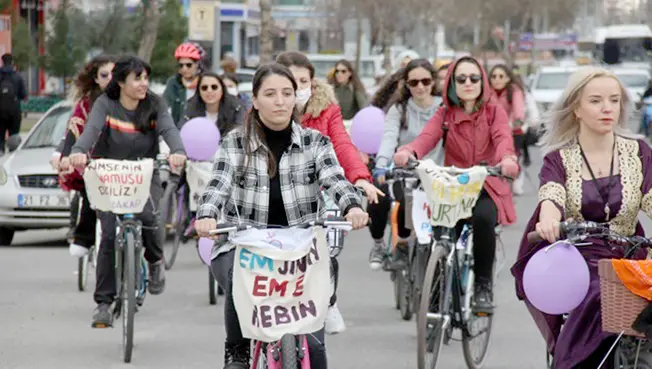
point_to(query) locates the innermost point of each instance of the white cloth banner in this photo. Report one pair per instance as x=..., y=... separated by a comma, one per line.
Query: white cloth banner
x=452, y=192
x=198, y=174
x=119, y=186
x=421, y=216
x=281, y=282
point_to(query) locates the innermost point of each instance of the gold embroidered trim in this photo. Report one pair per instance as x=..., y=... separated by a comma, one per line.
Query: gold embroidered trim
x=631, y=178
x=554, y=192
x=572, y=160
x=646, y=204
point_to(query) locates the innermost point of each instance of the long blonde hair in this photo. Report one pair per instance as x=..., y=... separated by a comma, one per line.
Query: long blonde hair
x=561, y=125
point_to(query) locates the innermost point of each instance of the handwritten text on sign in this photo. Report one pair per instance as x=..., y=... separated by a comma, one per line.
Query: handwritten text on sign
x=452, y=196
x=119, y=186
x=198, y=174
x=282, y=291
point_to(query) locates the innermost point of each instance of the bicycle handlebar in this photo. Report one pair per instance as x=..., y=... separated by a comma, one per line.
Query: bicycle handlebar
x=582, y=230
x=336, y=222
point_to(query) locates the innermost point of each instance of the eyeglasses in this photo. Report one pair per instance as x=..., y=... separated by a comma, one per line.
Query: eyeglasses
x=212, y=87
x=497, y=76
x=341, y=71
x=187, y=65
x=104, y=75
x=461, y=79
x=415, y=82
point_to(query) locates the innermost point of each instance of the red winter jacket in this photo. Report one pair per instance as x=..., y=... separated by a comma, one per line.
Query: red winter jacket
x=324, y=115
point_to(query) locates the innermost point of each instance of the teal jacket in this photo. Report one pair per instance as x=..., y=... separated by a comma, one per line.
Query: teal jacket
x=175, y=97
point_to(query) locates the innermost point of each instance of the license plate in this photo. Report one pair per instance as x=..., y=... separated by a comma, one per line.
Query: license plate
x=43, y=201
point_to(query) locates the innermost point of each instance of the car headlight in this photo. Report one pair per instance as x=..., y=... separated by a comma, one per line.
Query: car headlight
x=3, y=176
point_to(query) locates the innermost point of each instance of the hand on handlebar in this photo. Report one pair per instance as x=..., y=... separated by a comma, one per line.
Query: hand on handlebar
x=176, y=160
x=379, y=175
x=548, y=229
x=357, y=217
x=402, y=157
x=204, y=226
x=509, y=167
x=78, y=160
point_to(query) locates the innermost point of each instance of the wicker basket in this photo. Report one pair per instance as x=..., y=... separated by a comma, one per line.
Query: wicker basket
x=620, y=307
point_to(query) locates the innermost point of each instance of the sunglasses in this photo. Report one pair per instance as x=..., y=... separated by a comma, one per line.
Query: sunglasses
x=497, y=76
x=212, y=87
x=415, y=82
x=341, y=71
x=461, y=79
x=104, y=75
x=187, y=65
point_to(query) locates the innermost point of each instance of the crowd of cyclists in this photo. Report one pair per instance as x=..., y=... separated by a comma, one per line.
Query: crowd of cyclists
x=280, y=148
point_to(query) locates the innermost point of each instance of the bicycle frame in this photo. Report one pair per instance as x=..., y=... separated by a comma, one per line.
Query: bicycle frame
x=272, y=354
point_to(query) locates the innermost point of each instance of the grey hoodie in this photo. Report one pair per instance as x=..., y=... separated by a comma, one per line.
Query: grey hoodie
x=394, y=136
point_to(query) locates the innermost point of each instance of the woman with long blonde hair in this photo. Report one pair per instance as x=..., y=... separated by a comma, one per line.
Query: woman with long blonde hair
x=593, y=170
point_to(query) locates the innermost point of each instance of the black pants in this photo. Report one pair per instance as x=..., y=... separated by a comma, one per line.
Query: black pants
x=84, y=228
x=598, y=355
x=9, y=123
x=483, y=221
x=379, y=213
x=105, y=288
x=222, y=268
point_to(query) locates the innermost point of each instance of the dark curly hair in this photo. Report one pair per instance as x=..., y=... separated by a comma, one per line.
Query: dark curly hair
x=84, y=82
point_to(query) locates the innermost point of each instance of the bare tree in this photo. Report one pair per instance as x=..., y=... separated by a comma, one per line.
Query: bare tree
x=266, y=35
x=150, y=29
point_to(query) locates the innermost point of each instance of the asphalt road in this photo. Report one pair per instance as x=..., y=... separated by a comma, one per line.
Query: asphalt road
x=45, y=321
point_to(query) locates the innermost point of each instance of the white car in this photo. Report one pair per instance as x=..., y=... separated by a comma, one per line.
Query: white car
x=635, y=80
x=30, y=197
x=548, y=84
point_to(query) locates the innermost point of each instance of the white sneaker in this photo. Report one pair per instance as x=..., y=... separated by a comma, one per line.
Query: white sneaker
x=334, y=321
x=77, y=251
x=517, y=185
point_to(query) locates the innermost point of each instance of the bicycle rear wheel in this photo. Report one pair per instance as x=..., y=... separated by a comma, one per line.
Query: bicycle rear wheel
x=82, y=271
x=430, y=333
x=405, y=293
x=289, y=352
x=212, y=288
x=129, y=295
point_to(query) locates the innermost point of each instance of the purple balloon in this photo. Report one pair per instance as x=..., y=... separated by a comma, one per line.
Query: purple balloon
x=556, y=279
x=201, y=138
x=367, y=129
x=205, y=249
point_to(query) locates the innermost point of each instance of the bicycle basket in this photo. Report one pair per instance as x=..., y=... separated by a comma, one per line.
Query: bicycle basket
x=619, y=306
x=119, y=186
x=452, y=192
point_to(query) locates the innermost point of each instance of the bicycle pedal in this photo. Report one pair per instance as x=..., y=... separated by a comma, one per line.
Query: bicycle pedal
x=101, y=325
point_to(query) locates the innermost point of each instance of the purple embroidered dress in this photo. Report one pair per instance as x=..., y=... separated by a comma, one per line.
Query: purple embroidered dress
x=578, y=198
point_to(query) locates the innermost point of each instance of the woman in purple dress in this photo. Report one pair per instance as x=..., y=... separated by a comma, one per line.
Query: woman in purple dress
x=593, y=170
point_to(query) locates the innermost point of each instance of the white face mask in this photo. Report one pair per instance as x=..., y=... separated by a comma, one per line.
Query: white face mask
x=303, y=96
x=232, y=90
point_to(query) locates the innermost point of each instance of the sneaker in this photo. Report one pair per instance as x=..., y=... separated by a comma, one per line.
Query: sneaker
x=156, y=284
x=334, y=322
x=517, y=185
x=377, y=255
x=483, y=298
x=77, y=250
x=102, y=317
x=236, y=356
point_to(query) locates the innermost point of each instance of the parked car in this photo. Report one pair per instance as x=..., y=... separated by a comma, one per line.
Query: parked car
x=548, y=84
x=635, y=80
x=30, y=197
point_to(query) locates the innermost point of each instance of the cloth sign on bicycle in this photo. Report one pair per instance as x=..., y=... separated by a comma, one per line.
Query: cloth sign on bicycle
x=119, y=186
x=198, y=174
x=281, y=281
x=421, y=216
x=452, y=192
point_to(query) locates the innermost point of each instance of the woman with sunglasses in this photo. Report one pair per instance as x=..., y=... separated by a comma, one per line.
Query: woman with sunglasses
x=403, y=123
x=88, y=86
x=478, y=132
x=349, y=90
x=182, y=87
x=511, y=97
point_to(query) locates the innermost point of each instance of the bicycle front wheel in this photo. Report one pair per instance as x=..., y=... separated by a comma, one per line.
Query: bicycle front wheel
x=168, y=220
x=129, y=295
x=82, y=271
x=289, y=352
x=431, y=332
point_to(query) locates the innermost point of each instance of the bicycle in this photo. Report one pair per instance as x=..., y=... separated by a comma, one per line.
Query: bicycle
x=449, y=278
x=290, y=351
x=627, y=348
x=131, y=275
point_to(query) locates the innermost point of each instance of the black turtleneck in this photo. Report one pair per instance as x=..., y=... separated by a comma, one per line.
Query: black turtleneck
x=278, y=142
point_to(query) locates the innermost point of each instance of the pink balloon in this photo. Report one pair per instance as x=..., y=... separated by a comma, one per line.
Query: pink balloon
x=205, y=250
x=556, y=279
x=367, y=129
x=201, y=138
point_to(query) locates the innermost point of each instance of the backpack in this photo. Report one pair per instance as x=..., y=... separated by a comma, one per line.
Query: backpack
x=7, y=92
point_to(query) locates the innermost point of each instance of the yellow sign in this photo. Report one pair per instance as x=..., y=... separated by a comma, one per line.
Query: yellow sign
x=201, y=20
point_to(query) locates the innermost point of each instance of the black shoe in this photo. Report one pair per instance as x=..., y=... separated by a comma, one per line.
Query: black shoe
x=220, y=290
x=102, y=317
x=527, y=162
x=483, y=302
x=236, y=356
x=156, y=284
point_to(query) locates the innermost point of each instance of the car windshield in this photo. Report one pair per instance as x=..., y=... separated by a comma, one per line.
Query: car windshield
x=633, y=80
x=245, y=77
x=552, y=81
x=50, y=130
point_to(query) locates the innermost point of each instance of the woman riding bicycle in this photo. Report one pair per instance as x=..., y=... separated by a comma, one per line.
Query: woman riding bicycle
x=125, y=124
x=403, y=123
x=477, y=132
x=269, y=173
x=182, y=86
x=594, y=170
x=89, y=84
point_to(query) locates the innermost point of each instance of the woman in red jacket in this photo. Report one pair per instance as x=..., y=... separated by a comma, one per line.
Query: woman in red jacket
x=478, y=131
x=317, y=105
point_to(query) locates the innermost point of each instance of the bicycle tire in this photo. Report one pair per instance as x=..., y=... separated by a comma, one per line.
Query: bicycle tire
x=168, y=207
x=437, y=260
x=289, y=359
x=394, y=275
x=471, y=362
x=405, y=297
x=142, y=281
x=212, y=289
x=179, y=228
x=129, y=296
x=82, y=271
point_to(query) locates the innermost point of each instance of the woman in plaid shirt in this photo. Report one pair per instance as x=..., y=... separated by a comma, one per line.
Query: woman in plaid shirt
x=270, y=172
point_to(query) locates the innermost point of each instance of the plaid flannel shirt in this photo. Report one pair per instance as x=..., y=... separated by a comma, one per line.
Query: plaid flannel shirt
x=309, y=165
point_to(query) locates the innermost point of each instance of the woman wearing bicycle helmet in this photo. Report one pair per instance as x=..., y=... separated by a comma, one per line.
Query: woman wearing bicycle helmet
x=477, y=132
x=182, y=86
x=595, y=170
x=267, y=173
x=126, y=123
